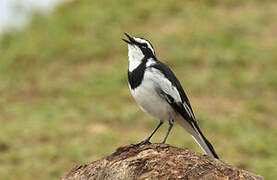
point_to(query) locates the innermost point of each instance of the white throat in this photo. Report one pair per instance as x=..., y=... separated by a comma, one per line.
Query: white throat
x=135, y=57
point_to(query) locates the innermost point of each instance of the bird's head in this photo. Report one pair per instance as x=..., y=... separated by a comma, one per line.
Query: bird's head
x=139, y=48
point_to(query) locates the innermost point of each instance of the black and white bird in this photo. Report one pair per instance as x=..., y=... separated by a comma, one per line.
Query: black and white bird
x=158, y=92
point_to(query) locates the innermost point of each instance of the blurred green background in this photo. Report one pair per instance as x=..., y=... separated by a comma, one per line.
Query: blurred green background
x=65, y=99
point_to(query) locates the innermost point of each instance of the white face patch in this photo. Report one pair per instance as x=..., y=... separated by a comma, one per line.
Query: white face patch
x=135, y=57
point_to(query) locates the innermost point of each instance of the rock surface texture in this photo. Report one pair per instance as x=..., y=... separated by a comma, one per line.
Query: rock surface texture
x=157, y=161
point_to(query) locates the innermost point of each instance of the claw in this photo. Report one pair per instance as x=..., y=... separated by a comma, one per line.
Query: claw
x=142, y=142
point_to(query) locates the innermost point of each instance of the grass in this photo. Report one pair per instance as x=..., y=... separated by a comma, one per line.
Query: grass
x=64, y=94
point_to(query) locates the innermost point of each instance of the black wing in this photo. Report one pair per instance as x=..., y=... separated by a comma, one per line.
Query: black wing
x=175, y=82
x=184, y=107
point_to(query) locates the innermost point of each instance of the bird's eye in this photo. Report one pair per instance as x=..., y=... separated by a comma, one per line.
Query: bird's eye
x=144, y=45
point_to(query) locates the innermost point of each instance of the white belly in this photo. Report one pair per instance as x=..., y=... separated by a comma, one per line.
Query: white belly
x=149, y=101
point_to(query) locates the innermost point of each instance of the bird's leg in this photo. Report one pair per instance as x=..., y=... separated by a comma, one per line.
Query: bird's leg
x=147, y=140
x=171, y=123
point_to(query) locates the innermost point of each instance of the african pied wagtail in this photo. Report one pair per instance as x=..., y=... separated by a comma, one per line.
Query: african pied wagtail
x=158, y=92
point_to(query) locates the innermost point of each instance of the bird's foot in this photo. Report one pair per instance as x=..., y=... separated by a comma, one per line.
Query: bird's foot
x=146, y=141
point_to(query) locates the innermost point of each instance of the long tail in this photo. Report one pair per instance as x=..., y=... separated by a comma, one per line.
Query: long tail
x=198, y=136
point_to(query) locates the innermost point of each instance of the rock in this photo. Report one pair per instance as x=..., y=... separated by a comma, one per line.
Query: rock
x=157, y=161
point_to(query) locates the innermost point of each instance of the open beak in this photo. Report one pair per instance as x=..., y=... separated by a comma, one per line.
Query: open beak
x=130, y=41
